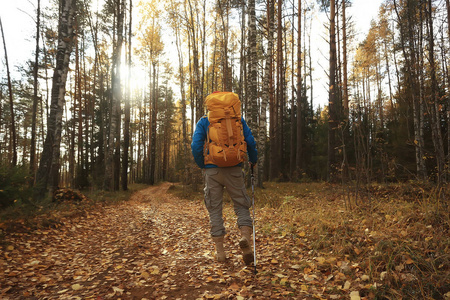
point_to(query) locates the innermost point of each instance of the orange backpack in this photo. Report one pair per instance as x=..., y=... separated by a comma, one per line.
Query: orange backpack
x=225, y=145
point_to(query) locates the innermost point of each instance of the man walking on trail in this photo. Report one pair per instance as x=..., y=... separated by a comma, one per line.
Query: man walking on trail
x=220, y=143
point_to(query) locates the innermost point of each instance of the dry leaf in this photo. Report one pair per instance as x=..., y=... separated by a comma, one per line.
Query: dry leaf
x=354, y=295
x=347, y=285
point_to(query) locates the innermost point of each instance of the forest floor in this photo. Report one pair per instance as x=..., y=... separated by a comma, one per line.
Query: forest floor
x=156, y=245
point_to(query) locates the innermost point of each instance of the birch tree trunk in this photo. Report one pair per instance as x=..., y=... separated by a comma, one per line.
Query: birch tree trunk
x=49, y=164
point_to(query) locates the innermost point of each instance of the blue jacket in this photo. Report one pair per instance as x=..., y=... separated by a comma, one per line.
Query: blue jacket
x=199, y=138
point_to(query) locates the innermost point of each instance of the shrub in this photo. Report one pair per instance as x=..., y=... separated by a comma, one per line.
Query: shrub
x=14, y=185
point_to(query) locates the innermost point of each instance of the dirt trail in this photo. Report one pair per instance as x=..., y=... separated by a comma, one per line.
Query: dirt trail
x=154, y=246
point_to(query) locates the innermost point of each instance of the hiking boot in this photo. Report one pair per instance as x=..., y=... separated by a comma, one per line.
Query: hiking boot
x=220, y=253
x=245, y=244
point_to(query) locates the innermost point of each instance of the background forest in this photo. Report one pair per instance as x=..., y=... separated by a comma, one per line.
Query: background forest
x=114, y=88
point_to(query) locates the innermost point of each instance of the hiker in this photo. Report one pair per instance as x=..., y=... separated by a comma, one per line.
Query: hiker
x=228, y=141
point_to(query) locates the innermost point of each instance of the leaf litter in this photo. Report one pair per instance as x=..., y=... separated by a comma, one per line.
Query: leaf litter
x=157, y=246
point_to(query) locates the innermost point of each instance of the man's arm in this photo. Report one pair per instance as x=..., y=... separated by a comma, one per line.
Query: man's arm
x=198, y=141
x=251, y=144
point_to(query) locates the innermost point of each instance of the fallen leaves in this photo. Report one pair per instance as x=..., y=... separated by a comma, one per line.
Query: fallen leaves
x=158, y=247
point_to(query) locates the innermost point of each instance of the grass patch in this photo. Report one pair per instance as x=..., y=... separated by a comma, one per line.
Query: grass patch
x=399, y=237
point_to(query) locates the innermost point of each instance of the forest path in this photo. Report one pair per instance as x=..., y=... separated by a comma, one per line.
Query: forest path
x=154, y=246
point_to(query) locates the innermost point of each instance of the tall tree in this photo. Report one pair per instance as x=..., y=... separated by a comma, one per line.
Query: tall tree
x=154, y=116
x=332, y=96
x=126, y=137
x=434, y=103
x=299, y=148
x=35, y=94
x=175, y=19
x=267, y=98
x=49, y=164
x=278, y=105
x=408, y=25
x=447, y=2
x=344, y=59
x=112, y=159
x=11, y=103
x=252, y=67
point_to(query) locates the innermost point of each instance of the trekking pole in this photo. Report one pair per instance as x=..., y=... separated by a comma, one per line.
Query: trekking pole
x=253, y=220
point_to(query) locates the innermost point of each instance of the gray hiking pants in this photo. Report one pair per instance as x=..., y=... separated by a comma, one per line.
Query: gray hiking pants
x=216, y=179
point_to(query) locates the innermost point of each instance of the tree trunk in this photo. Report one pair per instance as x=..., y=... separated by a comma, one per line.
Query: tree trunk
x=447, y=2
x=293, y=148
x=49, y=164
x=299, y=148
x=11, y=104
x=279, y=103
x=126, y=137
x=196, y=68
x=266, y=99
x=435, y=114
x=153, y=132
x=35, y=95
x=184, y=147
x=332, y=100
x=410, y=62
x=273, y=170
x=252, y=67
x=344, y=62
x=111, y=182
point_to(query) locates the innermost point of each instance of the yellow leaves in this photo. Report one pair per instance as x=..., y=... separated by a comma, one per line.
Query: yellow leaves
x=283, y=281
x=365, y=278
x=145, y=275
x=320, y=260
x=76, y=287
x=354, y=295
x=347, y=285
x=117, y=290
